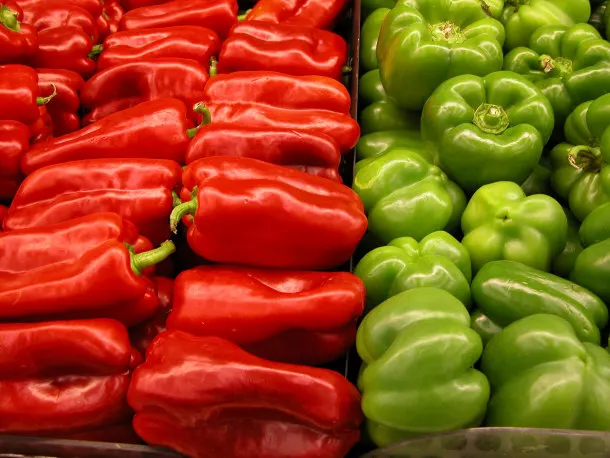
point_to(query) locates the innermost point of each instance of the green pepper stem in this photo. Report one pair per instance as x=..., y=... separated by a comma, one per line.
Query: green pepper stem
x=206, y=115
x=179, y=212
x=491, y=119
x=447, y=31
x=586, y=158
x=142, y=261
x=175, y=199
x=44, y=100
x=244, y=15
x=8, y=18
x=96, y=50
x=213, y=67
x=559, y=66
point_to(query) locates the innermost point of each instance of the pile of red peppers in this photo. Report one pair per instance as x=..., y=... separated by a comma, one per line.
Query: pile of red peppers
x=174, y=228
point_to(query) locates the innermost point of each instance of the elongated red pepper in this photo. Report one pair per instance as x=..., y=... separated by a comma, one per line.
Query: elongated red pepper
x=186, y=42
x=277, y=410
x=342, y=128
x=289, y=316
x=94, y=7
x=217, y=15
x=42, y=129
x=126, y=85
x=113, y=11
x=143, y=334
x=14, y=142
x=62, y=108
x=319, y=14
x=157, y=129
x=19, y=95
x=279, y=90
x=311, y=152
x=129, y=5
x=18, y=41
x=64, y=377
x=137, y=189
x=295, y=50
x=287, y=214
x=47, y=14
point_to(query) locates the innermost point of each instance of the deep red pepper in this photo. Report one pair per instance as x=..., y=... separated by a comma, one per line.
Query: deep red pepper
x=156, y=130
x=102, y=24
x=19, y=95
x=143, y=334
x=60, y=378
x=204, y=396
x=18, y=41
x=217, y=15
x=14, y=142
x=42, y=129
x=94, y=7
x=319, y=14
x=311, y=152
x=48, y=14
x=186, y=42
x=287, y=214
x=137, y=189
x=3, y=212
x=279, y=90
x=287, y=316
x=120, y=433
x=64, y=106
x=66, y=48
x=113, y=11
x=295, y=50
x=129, y=5
x=126, y=85
x=342, y=128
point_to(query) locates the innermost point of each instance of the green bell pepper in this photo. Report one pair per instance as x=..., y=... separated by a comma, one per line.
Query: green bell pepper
x=581, y=165
x=500, y=222
x=386, y=115
x=368, y=7
x=379, y=143
x=542, y=376
x=483, y=326
x=506, y=291
x=406, y=196
x=596, y=227
x=439, y=261
x=419, y=350
x=564, y=262
x=487, y=129
x=521, y=18
x=570, y=65
x=369, y=34
x=425, y=42
x=370, y=89
x=539, y=181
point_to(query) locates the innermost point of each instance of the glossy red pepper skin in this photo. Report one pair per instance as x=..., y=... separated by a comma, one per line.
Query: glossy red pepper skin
x=3, y=212
x=18, y=40
x=342, y=128
x=319, y=14
x=42, y=129
x=246, y=407
x=311, y=152
x=14, y=142
x=63, y=377
x=62, y=108
x=286, y=216
x=271, y=310
x=295, y=50
x=114, y=12
x=154, y=130
x=94, y=7
x=217, y=15
x=67, y=48
x=279, y=90
x=126, y=85
x=140, y=190
x=185, y=42
x=18, y=94
x=47, y=14
x=129, y=5
x=143, y=334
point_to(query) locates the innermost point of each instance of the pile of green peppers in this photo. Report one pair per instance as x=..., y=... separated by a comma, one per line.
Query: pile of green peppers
x=484, y=169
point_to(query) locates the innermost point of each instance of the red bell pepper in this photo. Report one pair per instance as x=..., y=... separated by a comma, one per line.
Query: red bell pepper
x=104, y=276
x=94, y=7
x=287, y=214
x=289, y=316
x=129, y=5
x=143, y=334
x=157, y=129
x=126, y=85
x=217, y=15
x=206, y=397
x=66, y=48
x=63, y=108
x=3, y=212
x=18, y=41
x=318, y=14
x=19, y=100
x=113, y=11
x=279, y=90
x=42, y=129
x=186, y=42
x=295, y=50
x=342, y=128
x=311, y=152
x=48, y=14
x=63, y=377
x=14, y=142
x=137, y=189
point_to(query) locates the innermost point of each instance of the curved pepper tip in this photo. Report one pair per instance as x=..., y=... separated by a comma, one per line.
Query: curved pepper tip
x=180, y=211
x=44, y=100
x=142, y=261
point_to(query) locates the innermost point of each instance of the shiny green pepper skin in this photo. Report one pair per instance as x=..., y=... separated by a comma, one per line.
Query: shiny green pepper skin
x=564, y=262
x=596, y=227
x=379, y=143
x=369, y=34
